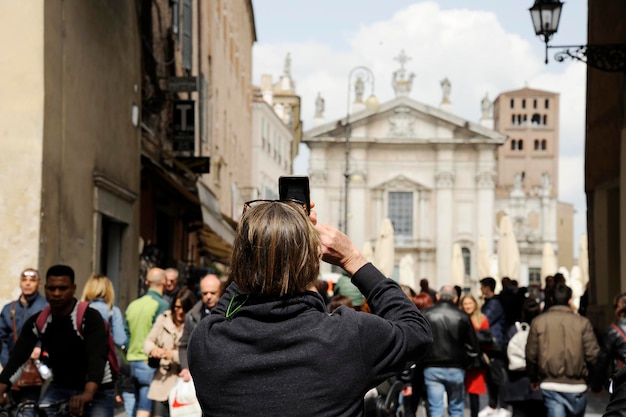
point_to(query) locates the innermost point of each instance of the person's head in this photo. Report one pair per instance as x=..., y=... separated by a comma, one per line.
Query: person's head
x=469, y=304
x=619, y=303
x=171, y=279
x=155, y=279
x=210, y=290
x=559, y=278
x=60, y=289
x=29, y=281
x=181, y=304
x=410, y=292
x=423, y=300
x=530, y=309
x=488, y=286
x=276, y=251
x=506, y=283
x=99, y=286
x=338, y=301
x=424, y=284
x=447, y=293
x=549, y=281
x=562, y=295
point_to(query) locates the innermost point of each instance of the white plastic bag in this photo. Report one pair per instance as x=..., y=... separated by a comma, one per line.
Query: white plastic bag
x=183, y=400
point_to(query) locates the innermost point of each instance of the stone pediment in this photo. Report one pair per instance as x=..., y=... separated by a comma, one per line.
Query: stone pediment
x=405, y=120
x=400, y=183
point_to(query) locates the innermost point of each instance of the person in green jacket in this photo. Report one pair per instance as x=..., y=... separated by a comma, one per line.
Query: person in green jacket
x=140, y=316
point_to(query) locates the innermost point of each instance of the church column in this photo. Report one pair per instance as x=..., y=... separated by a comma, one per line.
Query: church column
x=485, y=195
x=444, y=183
x=358, y=197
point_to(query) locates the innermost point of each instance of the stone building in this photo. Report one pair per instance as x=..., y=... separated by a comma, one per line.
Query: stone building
x=431, y=172
x=69, y=110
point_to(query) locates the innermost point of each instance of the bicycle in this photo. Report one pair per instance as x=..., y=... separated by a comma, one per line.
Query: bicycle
x=61, y=408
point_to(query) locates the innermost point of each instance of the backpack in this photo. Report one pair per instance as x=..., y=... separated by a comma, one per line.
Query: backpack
x=80, y=315
x=516, y=349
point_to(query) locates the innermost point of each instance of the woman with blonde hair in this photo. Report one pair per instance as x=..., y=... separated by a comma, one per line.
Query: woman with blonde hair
x=475, y=383
x=100, y=294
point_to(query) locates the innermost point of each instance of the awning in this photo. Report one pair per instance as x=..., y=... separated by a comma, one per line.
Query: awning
x=217, y=235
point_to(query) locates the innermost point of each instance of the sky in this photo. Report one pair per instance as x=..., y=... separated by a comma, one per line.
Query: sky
x=481, y=46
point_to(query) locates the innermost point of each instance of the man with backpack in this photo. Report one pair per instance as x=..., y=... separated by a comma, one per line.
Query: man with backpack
x=75, y=352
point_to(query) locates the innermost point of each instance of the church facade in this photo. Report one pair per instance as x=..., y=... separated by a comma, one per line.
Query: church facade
x=435, y=175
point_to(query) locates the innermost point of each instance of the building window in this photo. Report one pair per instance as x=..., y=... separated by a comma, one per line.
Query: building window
x=535, y=119
x=544, y=145
x=536, y=144
x=467, y=261
x=520, y=144
x=512, y=103
x=187, y=34
x=524, y=103
x=513, y=119
x=400, y=211
x=545, y=119
x=534, y=103
x=547, y=104
x=513, y=144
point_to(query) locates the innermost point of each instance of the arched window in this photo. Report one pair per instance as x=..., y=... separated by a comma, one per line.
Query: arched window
x=513, y=144
x=520, y=144
x=523, y=103
x=512, y=103
x=545, y=119
x=535, y=119
x=534, y=103
x=536, y=143
x=544, y=145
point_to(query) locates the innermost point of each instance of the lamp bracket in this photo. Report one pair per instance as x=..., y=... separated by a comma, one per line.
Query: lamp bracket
x=605, y=57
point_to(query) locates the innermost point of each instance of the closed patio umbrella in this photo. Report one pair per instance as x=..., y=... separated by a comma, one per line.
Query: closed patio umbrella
x=457, y=267
x=384, y=253
x=508, y=251
x=548, y=262
x=484, y=261
x=407, y=274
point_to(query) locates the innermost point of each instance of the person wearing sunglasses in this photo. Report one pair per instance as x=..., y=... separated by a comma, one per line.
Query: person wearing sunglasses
x=270, y=348
x=12, y=319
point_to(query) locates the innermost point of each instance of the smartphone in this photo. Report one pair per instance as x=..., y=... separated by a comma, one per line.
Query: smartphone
x=295, y=188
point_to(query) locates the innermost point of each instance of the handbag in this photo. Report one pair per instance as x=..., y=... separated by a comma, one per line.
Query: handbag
x=30, y=376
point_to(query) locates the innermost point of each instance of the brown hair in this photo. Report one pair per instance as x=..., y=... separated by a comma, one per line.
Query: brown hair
x=338, y=301
x=276, y=250
x=423, y=300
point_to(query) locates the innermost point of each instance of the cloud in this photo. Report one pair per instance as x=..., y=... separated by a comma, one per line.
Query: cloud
x=469, y=47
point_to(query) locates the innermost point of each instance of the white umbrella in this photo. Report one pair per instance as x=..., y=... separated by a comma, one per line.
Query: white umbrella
x=548, y=262
x=407, y=274
x=368, y=251
x=457, y=268
x=576, y=284
x=508, y=252
x=583, y=260
x=484, y=263
x=384, y=255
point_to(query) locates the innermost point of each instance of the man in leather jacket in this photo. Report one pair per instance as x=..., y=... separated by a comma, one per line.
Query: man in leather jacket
x=445, y=363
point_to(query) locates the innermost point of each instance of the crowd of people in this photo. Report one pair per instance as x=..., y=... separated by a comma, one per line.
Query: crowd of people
x=280, y=344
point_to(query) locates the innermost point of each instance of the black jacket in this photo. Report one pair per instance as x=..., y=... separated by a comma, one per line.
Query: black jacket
x=453, y=336
x=612, y=355
x=287, y=356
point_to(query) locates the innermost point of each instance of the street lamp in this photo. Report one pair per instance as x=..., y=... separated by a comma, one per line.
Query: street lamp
x=546, y=14
x=361, y=75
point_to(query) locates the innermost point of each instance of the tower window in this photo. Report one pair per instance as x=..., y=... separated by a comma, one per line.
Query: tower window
x=520, y=144
x=534, y=103
x=547, y=104
x=512, y=103
x=545, y=119
x=524, y=103
x=513, y=144
x=536, y=144
x=544, y=145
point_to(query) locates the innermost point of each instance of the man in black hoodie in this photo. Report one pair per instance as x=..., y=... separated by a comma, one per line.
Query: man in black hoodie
x=269, y=347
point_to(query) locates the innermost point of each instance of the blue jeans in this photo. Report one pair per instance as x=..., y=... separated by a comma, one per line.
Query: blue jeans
x=143, y=375
x=564, y=404
x=449, y=380
x=129, y=404
x=102, y=405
